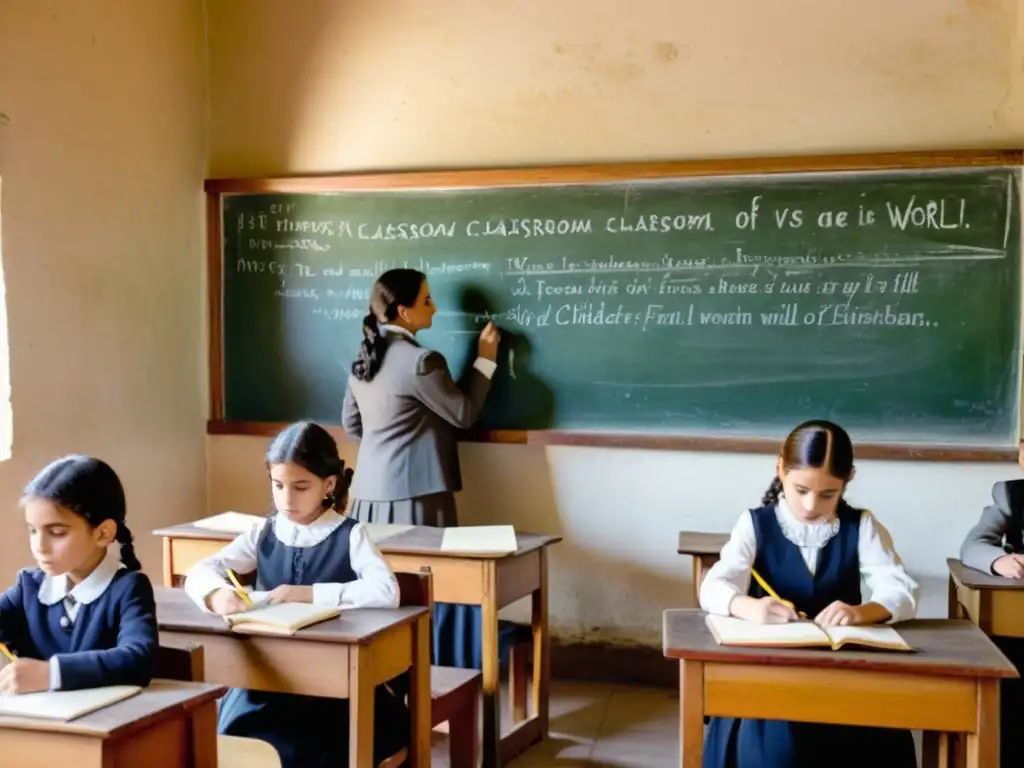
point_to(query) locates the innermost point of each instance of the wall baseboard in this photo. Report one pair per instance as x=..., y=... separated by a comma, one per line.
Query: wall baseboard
x=610, y=663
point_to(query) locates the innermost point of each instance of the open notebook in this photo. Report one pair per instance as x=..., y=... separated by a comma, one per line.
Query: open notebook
x=281, y=619
x=728, y=630
x=64, y=705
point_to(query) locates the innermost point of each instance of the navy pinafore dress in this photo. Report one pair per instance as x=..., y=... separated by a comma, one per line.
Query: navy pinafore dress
x=744, y=743
x=310, y=731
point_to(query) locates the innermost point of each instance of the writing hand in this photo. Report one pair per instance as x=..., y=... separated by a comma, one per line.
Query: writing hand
x=488, y=345
x=226, y=601
x=25, y=676
x=1010, y=566
x=772, y=611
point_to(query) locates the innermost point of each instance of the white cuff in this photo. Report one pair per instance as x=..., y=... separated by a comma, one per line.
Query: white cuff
x=327, y=594
x=54, y=674
x=898, y=608
x=485, y=366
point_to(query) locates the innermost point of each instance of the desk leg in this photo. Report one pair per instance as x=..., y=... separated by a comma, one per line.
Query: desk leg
x=419, y=695
x=541, y=648
x=168, y=564
x=360, y=715
x=983, y=744
x=936, y=750
x=691, y=714
x=491, y=683
x=203, y=728
x=952, y=600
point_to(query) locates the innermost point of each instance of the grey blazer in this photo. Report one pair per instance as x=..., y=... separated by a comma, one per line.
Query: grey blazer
x=1000, y=530
x=405, y=422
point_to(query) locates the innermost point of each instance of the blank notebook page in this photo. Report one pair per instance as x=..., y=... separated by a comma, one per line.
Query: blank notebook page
x=480, y=538
x=64, y=705
x=287, y=615
x=886, y=635
x=733, y=630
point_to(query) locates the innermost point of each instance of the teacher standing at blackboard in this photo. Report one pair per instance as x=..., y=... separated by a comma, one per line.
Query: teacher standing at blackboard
x=403, y=407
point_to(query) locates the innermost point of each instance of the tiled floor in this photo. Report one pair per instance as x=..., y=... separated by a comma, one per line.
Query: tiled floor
x=604, y=726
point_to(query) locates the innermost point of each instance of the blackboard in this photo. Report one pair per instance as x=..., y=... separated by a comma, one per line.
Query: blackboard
x=672, y=300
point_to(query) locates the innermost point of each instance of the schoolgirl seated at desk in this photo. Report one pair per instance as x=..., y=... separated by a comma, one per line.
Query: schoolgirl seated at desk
x=814, y=550
x=306, y=552
x=86, y=617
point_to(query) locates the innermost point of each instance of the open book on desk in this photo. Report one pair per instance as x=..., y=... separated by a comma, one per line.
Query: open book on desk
x=728, y=630
x=280, y=619
x=64, y=705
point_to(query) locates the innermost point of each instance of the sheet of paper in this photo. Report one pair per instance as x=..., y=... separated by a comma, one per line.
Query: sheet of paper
x=735, y=631
x=64, y=705
x=480, y=538
x=228, y=522
x=380, y=531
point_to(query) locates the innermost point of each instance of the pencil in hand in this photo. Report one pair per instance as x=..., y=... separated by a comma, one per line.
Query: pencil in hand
x=238, y=589
x=7, y=652
x=772, y=593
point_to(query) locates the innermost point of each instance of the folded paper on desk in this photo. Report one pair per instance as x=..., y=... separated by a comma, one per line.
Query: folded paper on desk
x=500, y=539
x=378, y=532
x=228, y=522
x=64, y=705
x=281, y=619
x=728, y=630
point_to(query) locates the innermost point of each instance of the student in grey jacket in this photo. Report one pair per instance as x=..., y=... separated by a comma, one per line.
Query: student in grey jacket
x=996, y=545
x=403, y=407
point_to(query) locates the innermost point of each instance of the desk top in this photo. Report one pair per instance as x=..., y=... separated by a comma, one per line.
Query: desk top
x=416, y=540
x=160, y=700
x=975, y=579
x=175, y=612
x=697, y=543
x=944, y=648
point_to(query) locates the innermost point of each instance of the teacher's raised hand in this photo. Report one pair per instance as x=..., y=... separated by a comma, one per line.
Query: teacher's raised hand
x=487, y=347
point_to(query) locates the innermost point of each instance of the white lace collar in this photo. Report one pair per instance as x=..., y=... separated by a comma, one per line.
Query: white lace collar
x=807, y=535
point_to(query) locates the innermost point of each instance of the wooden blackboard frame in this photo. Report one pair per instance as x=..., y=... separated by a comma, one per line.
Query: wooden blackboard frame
x=576, y=174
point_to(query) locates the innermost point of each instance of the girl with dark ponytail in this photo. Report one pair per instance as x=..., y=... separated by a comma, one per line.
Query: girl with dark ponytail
x=817, y=553
x=403, y=407
x=88, y=574
x=306, y=551
x=395, y=297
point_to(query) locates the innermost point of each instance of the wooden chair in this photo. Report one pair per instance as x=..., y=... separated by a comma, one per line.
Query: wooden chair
x=187, y=664
x=454, y=692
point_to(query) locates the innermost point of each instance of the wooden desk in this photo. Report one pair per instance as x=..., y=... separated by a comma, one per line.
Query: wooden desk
x=168, y=725
x=488, y=580
x=704, y=548
x=344, y=658
x=995, y=604
x=951, y=685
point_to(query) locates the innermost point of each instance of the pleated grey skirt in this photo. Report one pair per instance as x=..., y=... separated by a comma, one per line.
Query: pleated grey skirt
x=436, y=510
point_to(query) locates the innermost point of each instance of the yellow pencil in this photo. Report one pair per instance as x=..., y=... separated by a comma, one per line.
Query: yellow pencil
x=6, y=652
x=238, y=589
x=773, y=593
